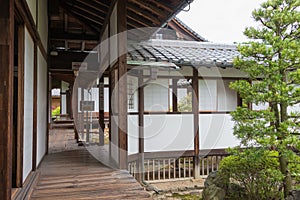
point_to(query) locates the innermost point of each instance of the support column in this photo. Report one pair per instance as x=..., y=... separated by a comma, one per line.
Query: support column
x=174, y=95
x=195, y=109
x=6, y=96
x=75, y=110
x=34, y=138
x=122, y=84
x=141, y=109
x=101, y=111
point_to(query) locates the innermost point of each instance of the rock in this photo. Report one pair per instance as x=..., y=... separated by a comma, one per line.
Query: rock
x=294, y=195
x=213, y=192
x=215, y=187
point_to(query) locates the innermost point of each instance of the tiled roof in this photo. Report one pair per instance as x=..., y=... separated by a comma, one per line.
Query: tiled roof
x=175, y=19
x=183, y=53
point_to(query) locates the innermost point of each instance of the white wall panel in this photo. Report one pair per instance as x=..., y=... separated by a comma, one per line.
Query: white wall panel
x=216, y=131
x=227, y=98
x=133, y=134
x=43, y=22
x=41, y=107
x=157, y=95
x=168, y=132
x=32, y=8
x=64, y=88
x=28, y=104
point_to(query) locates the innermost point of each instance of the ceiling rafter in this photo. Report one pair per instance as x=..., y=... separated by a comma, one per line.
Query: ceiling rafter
x=84, y=13
x=145, y=14
x=80, y=19
x=144, y=5
x=95, y=6
x=86, y=9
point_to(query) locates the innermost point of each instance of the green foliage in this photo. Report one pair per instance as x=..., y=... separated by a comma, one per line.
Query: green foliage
x=272, y=62
x=185, y=104
x=56, y=111
x=255, y=172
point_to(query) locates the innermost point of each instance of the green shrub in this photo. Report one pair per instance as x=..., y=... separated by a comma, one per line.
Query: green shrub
x=56, y=111
x=256, y=172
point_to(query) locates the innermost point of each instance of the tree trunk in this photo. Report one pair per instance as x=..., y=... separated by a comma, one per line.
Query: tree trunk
x=287, y=182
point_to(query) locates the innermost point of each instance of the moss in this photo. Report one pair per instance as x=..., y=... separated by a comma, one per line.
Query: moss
x=187, y=196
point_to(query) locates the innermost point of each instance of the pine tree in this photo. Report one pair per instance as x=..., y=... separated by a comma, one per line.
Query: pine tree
x=272, y=61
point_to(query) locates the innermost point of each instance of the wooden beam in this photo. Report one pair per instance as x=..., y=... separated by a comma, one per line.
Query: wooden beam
x=101, y=111
x=174, y=95
x=102, y=8
x=195, y=109
x=149, y=7
x=122, y=83
x=6, y=96
x=59, y=35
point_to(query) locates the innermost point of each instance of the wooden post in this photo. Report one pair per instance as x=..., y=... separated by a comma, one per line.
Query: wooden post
x=101, y=111
x=34, y=138
x=122, y=83
x=195, y=109
x=75, y=110
x=174, y=95
x=6, y=95
x=141, y=127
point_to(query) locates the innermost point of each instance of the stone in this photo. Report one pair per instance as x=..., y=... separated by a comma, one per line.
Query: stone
x=294, y=195
x=214, y=187
x=213, y=192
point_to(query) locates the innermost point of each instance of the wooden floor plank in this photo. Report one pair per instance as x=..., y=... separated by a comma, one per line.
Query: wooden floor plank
x=77, y=175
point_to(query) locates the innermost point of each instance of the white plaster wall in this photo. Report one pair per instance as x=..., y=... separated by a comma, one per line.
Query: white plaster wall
x=106, y=99
x=32, y=8
x=132, y=91
x=41, y=107
x=227, y=98
x=207, y=95
x=216, y=131
x=168, y=132
x=64, y=88
x=43, y=22
x=133, y=134
x=114, y=139
x=28, y=104
x=156, y=95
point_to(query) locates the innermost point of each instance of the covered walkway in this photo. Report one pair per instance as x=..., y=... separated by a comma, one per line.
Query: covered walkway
x=76, y=174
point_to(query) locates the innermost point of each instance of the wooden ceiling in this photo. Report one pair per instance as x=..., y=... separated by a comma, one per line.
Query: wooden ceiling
x=76, y=25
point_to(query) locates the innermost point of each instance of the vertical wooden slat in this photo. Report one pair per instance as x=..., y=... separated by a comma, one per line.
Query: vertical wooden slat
x=195, y=109
x=207, y=165
x=174, y=165
x=203, y=166
x=184, y=169
x=153, y=169
x=148, y=170
x=158, y=169
x=6, y=96
x=164, y=169
x=122, y=84
x=179, y=171
x=189, y=167
x=169, y=175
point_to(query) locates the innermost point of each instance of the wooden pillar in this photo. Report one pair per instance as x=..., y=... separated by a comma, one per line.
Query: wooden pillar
x=110, y=89
x=122, y=83
x=34, y=138
x=195, y=109
x=6, y=98
x=141, y=107
x=75, y=110
x=101, y=111
x=174, y=95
